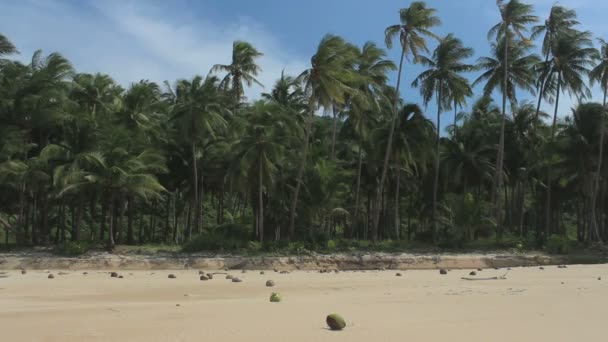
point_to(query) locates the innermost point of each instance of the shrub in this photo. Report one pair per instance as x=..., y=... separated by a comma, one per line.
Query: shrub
x=558, y=244
x=228, y=237
x=331, y=245
x=72, y=248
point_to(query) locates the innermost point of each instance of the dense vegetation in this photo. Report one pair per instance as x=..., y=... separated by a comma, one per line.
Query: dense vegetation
x=83, y=159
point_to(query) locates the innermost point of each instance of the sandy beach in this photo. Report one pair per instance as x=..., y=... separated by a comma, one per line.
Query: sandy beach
x=553, y=304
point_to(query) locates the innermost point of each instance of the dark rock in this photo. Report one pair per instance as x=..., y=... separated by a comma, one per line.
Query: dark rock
x=204, y=277
x=284, y=272
x=209, y=275
x=51, y=276
x=479, y=270
x=599, y=278
x=398, y=274
x=85, y=273
x=541, y=268
x=229, y=276
x=473, y=273
x=23, y=271
x=335, y=322
x=120, y=276
x=270, y=283
x=201, y=272
x=172, y=276
x=176, y=304
x=262, y=272
x=244, y=271
x=236, y=280
x=276, y=270
x=443, y=271
x=114, y=275
x=336, y=271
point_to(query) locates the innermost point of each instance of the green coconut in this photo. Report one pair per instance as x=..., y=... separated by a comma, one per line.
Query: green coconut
x=275, y=297
x=335, y=322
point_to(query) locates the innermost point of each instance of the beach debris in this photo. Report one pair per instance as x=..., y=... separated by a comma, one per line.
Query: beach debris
x=120, y=276
x=63, y=273
x=236, y=280
x=229, y=276
x=51, y=276
x=244, y=271
x=398, y=274
x=473, y=273
x=172, y=276
x=85, y=273
x=204, y=277
x=209, y=275
x=177, y=305
x=284, y=272
x=443, y=271
x=502, y=277
x=336, y=271
x=599, y=278
x=276, y=270
x=200, y=272
x=23, y=271
x=335, y=322
x=479, y=270
x=270, y=283
x=114, y=275
x=262, y=272
x=562, y=266
x=275, y=297
x=226, y=269
x=541, y=268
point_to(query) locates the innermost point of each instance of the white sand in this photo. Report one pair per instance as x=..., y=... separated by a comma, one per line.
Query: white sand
x=531, y=305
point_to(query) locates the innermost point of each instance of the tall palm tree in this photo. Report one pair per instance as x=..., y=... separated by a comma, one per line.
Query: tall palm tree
x=198, y=107
x=372, y=68
x=414, y=27
x=560, y=21
x=515, y=16
x=325, y=83
x=442, y=79
x=599, y=75
x=573, y=56
x=6, y=47
x=242, y=70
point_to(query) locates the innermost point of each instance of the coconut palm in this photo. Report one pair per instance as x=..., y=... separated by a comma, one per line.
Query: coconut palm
x=198, y=108
x=372, y=68
x=325, y=83
x=573, y=57
x=6, y=47
x=242, y=69
x=442, y=80
x=515, y=17
x=560, y=21
x=415, y=23
x=599, y=75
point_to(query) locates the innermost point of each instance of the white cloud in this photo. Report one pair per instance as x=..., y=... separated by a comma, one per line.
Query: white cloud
x=140, y=40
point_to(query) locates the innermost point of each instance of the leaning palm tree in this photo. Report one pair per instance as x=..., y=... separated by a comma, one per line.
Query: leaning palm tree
x=414, y=26
x=443, y=78
x=599, y=74
x=560, y=21
x=325, y=83
x=515, y=16
x=198, y=108
x=573, y=56
x=242, y=69
x=6, y=47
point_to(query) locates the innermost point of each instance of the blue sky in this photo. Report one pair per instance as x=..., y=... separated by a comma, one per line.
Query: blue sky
x=166, y=40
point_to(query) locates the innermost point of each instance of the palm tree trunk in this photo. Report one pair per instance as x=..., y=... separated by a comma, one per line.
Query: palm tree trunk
x=261, y=198
x=334, y=128
x=436, y=180
x=380, y=190
x=195, y=187
x=111, y=209
x=355, y=219
x=496, y=191
x=397, y=188
x=130, y=237
x=294, y=203
x=596, y=187
x=553, y=128
x=102, y=227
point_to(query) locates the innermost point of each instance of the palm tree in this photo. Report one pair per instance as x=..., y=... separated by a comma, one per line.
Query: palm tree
x=415, y=24
x=198, y=107
x=6, y=47
x=242, y=69
x=267, y=134
x=573, y=55
x=442, y=78
x=599, y=74
x=325, y=83
x=515, y=16
x=372, y=68
x=560, y=21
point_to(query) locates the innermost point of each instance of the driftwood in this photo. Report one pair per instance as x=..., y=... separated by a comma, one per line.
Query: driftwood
x=502, y=277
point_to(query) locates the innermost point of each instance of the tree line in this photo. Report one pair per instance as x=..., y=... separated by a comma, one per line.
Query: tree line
x=84, y=159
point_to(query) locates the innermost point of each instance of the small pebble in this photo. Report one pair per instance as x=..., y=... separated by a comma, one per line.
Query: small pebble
x=398, y=274
x=473, y=273
x=172, y=276
x=270, y=283
x=262, y=272
x=51, y=276
x=442, y=271
x=114, y=275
